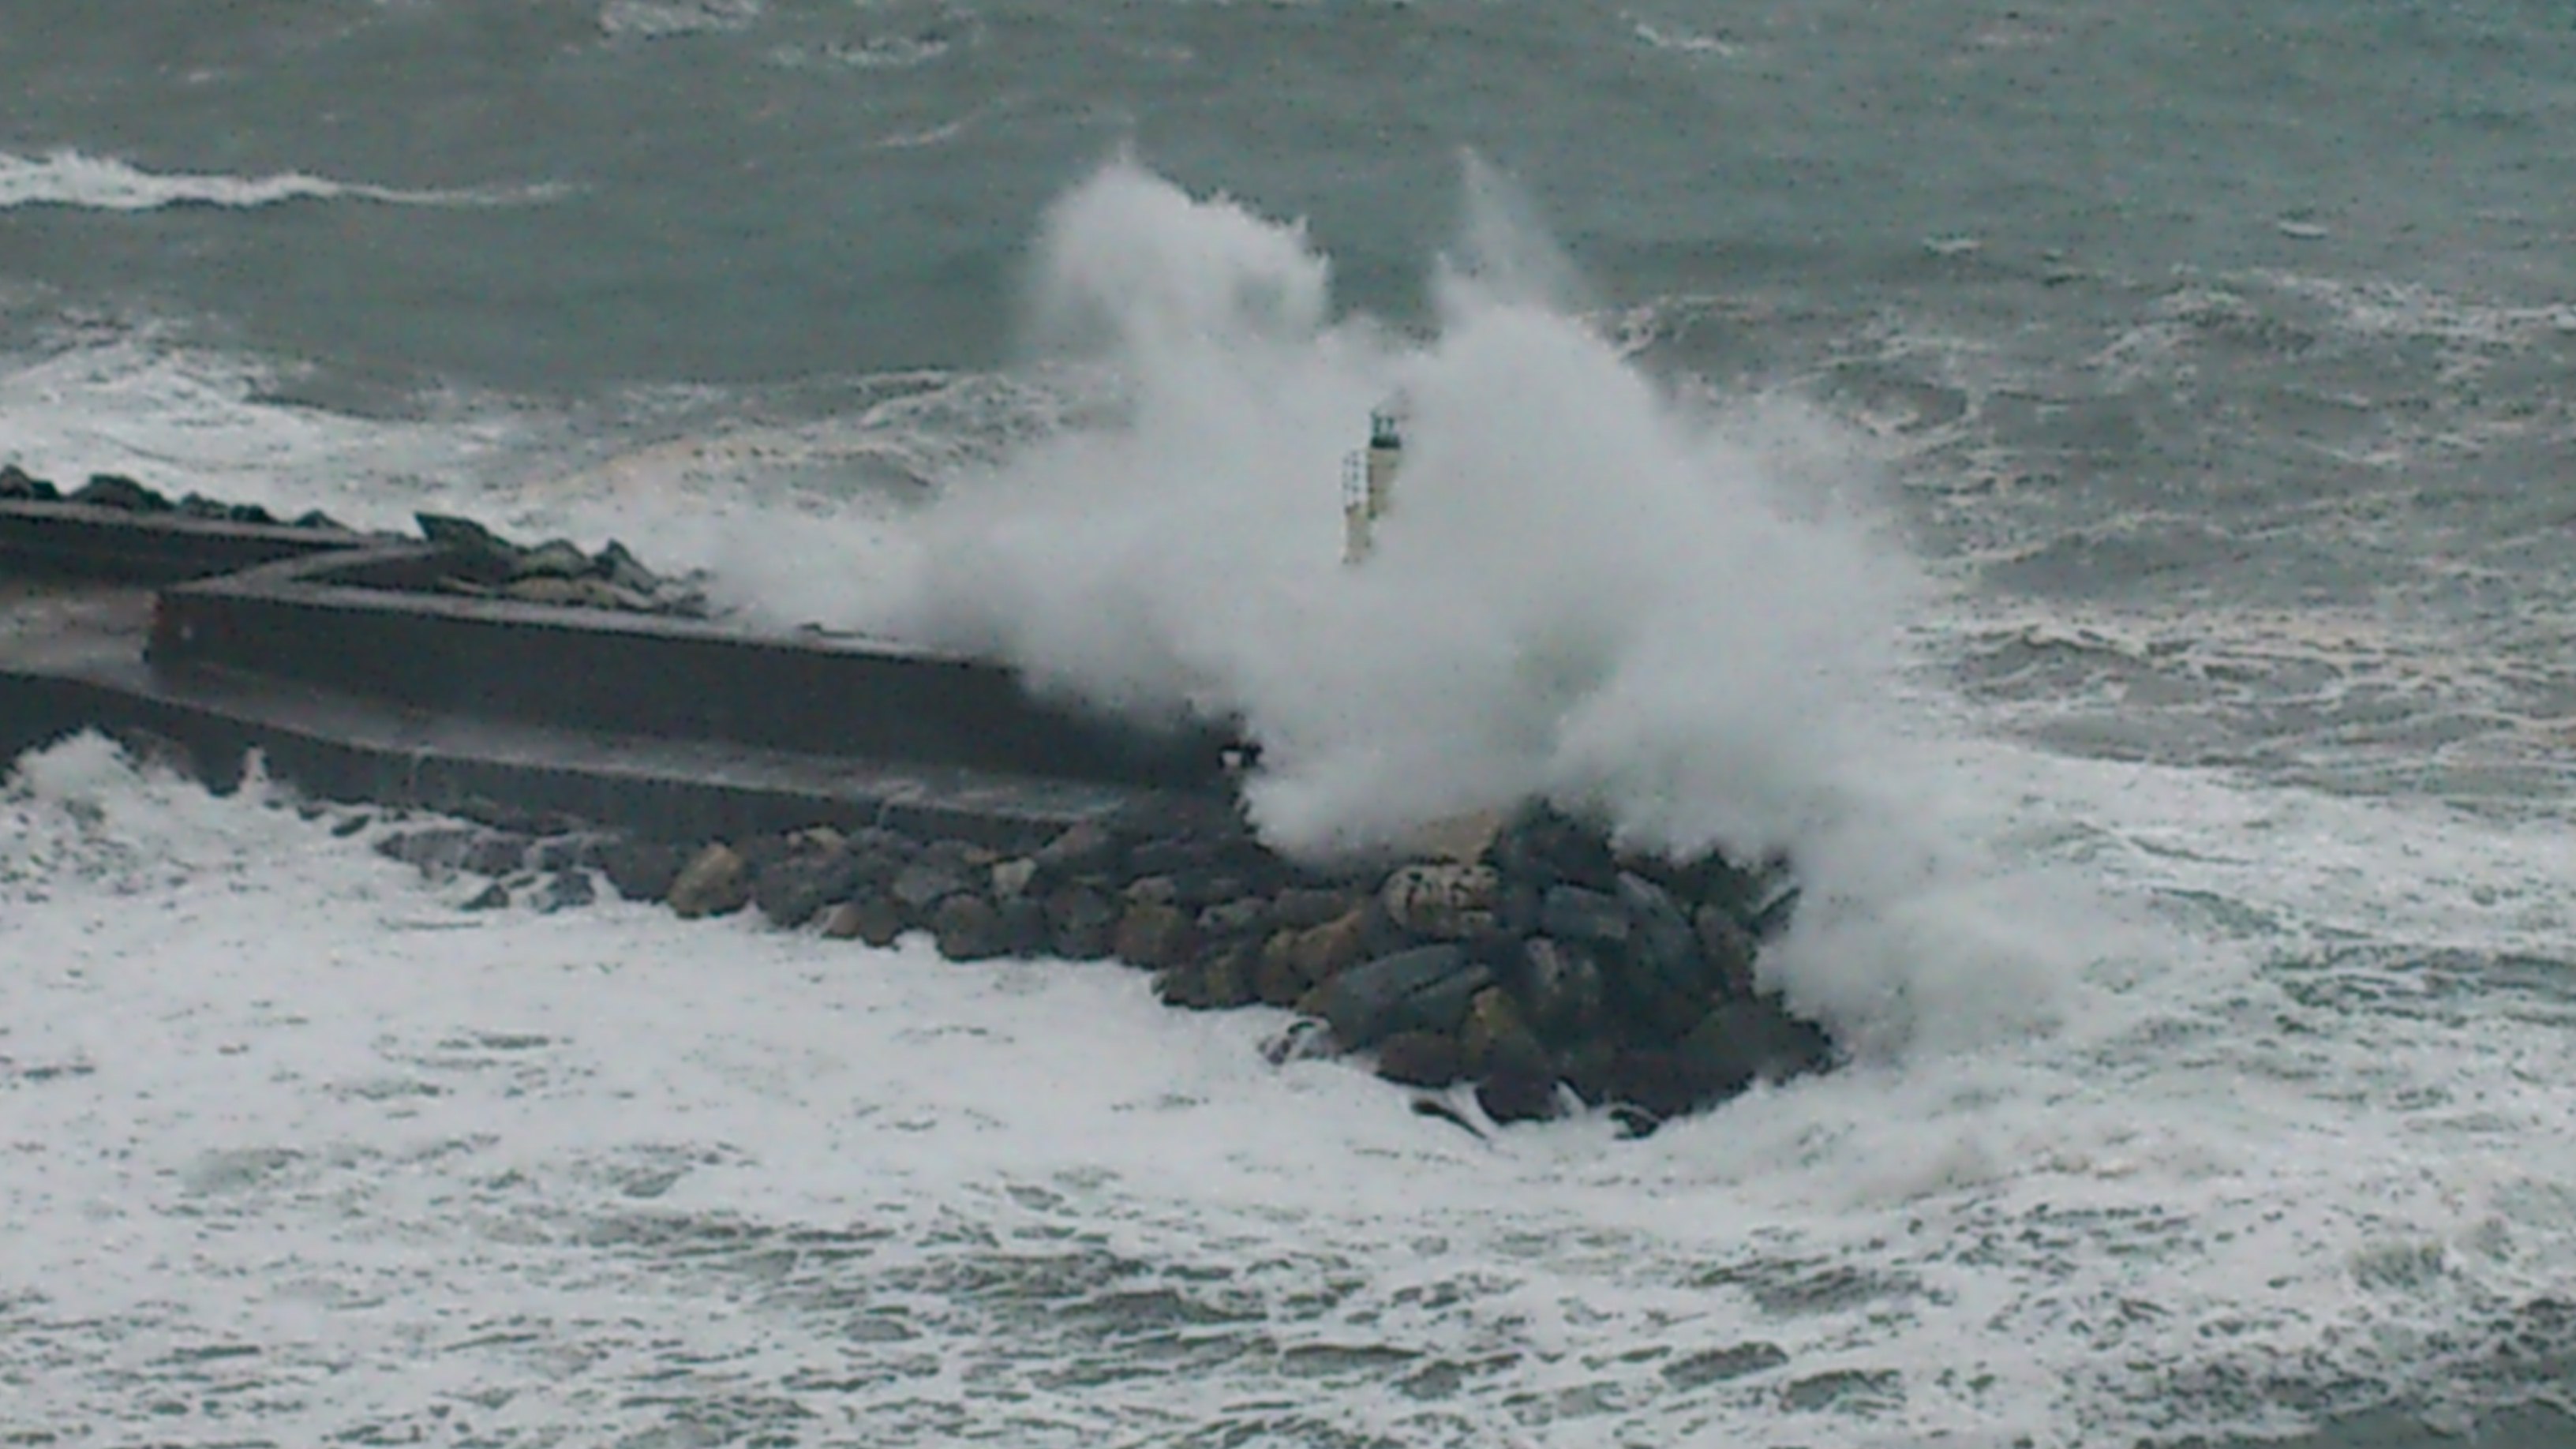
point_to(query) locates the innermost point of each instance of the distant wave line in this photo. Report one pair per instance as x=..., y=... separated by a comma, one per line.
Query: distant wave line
x=73, y=179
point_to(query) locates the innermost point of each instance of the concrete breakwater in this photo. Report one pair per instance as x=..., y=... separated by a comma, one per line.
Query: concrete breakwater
x=864, y=790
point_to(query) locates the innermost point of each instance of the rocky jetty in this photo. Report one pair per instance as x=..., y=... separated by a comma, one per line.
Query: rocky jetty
x=1539, y=967
x=476, y=561
x=113, y=490
x=473, y=560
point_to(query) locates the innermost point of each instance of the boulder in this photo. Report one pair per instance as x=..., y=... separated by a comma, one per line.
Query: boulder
x=920, y=886
x=1301, y=908
x=795, y=887
x=1495, y=1037
x=1560, y=984
x=619, y=566
x=873, y=919
x=1328, y=950
x=555, y=559
x=1081, y=923
x=1024, y=927
x=715, y=882
x=112, y=490
x=1420, y=1059
x=1726, y=949
x=580, y=593
x=567, y=889
x=436, y=851
x=1012, y=878
x=19, y=486
x=1424, y=989
x=493, y=897
x=1276, y=981
x=1547, y=847
x=1083, y=848
x=1153, y=935
x=1442, y=901
x=1518, y=1092
x=969, y=928
x=1158, y=890
x=1577, y=913
x=1233, y=920
x=1217, y=982
x=641, y=870
x=1664, y=941
x=1774, y=900
x=1745, y=1041
x=469, y=547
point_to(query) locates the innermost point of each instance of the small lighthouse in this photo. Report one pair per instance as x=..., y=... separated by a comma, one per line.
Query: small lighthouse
x=1368, y=482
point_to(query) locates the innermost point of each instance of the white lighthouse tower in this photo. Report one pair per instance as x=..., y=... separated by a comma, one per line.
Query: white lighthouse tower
x=1368, y=481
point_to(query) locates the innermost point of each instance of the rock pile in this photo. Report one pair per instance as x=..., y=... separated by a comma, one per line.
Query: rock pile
x=112, y=490
x=1545, y=964
x=476, y=561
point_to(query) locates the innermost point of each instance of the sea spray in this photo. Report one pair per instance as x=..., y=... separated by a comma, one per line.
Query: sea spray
x=1584, y=590
x=1679, y=617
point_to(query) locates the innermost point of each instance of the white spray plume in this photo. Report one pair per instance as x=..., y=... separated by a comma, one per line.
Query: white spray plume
x=1681, y=617
x=1585, y=589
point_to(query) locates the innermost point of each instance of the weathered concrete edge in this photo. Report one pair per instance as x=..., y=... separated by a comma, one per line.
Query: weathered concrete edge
x=352, y=751
x=595, y=669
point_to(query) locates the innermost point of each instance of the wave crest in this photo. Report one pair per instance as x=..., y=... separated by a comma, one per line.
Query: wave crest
x=105, y=183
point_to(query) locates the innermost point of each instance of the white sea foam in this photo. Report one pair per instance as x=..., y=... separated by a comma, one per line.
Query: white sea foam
x=658, y=19
x=294, y=1147
x=106, y=183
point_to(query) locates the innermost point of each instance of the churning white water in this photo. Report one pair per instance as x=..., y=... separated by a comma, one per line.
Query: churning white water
x=2181, y=1102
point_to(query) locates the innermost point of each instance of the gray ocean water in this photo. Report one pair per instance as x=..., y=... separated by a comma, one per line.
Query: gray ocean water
x=2211, y=368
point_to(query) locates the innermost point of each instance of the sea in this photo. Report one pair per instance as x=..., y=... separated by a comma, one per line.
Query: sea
x=2094, y=482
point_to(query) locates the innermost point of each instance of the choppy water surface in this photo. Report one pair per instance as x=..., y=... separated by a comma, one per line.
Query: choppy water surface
x=2089, y=477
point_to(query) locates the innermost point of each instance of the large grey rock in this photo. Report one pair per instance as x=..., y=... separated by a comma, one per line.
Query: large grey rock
x=1300, y=908
x=1081, y=923
x=920, y=886
x=1083, y=848
x=873, y=919
x=969, y=928
x=1727, y=949
x=19, y=486
x=472, y=550
x=1665, y=943
x=641, y=870
x=1153, y=934
x=1574, y=913
x=566, y=889
x=1444, y=901
x=1425, y=989
x=1545, y=847
x=1745, y=1041
x=1420, y=1059
x=796, y=887
x=1561, y=986
x=555, y=558
x=111, y=490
